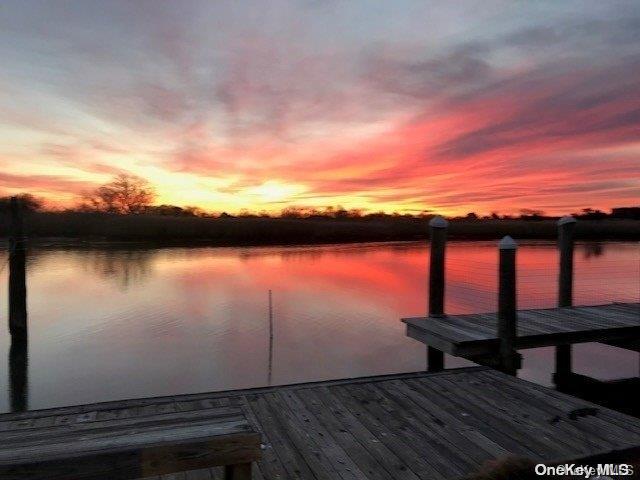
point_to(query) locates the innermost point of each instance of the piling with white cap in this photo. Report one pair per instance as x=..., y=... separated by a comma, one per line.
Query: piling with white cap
x=438, y=233
x=566, y=227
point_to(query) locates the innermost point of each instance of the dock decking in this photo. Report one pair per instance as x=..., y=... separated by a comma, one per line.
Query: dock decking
x=406, y=427
x=477, y=334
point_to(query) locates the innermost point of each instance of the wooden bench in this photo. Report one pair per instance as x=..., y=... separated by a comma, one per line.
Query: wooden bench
x=128, y=444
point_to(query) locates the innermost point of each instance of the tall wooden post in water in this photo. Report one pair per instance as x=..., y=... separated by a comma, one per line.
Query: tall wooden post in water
x=507, y=309
x=18, y=352
x=566, y=227
x=17, y=273
x=438, y=234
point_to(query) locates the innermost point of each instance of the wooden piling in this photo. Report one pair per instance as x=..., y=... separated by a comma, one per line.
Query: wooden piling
x=438, y=235
x=507, y=309
x=563, y=363
x=270, y=363
x=17, y=273
x=438, y=227
x=566, y=228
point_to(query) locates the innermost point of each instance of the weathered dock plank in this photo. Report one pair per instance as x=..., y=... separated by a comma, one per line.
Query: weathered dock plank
x=406, y=427
x=477, y=334
x=88, y=448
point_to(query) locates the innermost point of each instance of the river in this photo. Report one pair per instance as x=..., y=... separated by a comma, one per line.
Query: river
x=107, y=324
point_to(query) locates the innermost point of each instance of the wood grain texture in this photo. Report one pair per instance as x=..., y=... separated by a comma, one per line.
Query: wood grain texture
x=403, y=427
x=477, y=334
x=127, y=443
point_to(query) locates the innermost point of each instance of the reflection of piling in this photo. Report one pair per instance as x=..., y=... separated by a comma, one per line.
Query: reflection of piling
x=17, y=274
x=438, y=235
x=18, y=383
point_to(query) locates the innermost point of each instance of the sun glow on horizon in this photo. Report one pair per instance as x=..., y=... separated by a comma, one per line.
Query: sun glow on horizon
x=272, y=191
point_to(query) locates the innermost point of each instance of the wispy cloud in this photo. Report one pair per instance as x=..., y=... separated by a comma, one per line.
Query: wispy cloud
x=414, y=107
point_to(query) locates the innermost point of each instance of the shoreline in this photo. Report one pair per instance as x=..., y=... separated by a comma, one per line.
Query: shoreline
x=89, y=244
x=78, y=229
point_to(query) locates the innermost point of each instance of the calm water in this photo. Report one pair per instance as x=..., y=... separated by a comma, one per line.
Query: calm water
x=112, y=324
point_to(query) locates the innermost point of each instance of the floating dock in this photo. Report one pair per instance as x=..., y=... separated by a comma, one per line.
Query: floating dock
x=477, y=334
x=493, y=339
x=411, y=426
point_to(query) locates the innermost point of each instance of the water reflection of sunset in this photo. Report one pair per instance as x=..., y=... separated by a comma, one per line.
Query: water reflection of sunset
x=154, y=314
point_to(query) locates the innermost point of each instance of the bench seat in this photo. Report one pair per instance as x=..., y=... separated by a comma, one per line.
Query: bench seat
x=129, y=445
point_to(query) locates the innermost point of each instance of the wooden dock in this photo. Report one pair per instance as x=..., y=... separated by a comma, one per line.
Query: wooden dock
x=493, y=339
x=409, y=426
x=477, y=334
x=442, y=424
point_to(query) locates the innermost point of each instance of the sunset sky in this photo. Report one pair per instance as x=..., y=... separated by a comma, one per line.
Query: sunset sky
x=383, y=105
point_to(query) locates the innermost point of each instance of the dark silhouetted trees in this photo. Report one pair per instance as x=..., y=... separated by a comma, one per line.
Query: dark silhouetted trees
x=125, y=194
x=30, y=203
x=531, y=214
x=592, y=214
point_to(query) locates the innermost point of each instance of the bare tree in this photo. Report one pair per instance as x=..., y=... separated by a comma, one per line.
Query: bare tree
x=531, y=214
x=125, y=194
x=29, y=202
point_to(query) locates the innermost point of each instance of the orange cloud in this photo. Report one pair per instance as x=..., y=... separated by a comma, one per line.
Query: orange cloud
x=266, y=112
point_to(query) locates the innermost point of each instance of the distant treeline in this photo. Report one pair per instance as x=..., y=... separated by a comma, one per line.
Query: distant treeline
x=31, y=203
x=123, y=210
x=193, y=230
